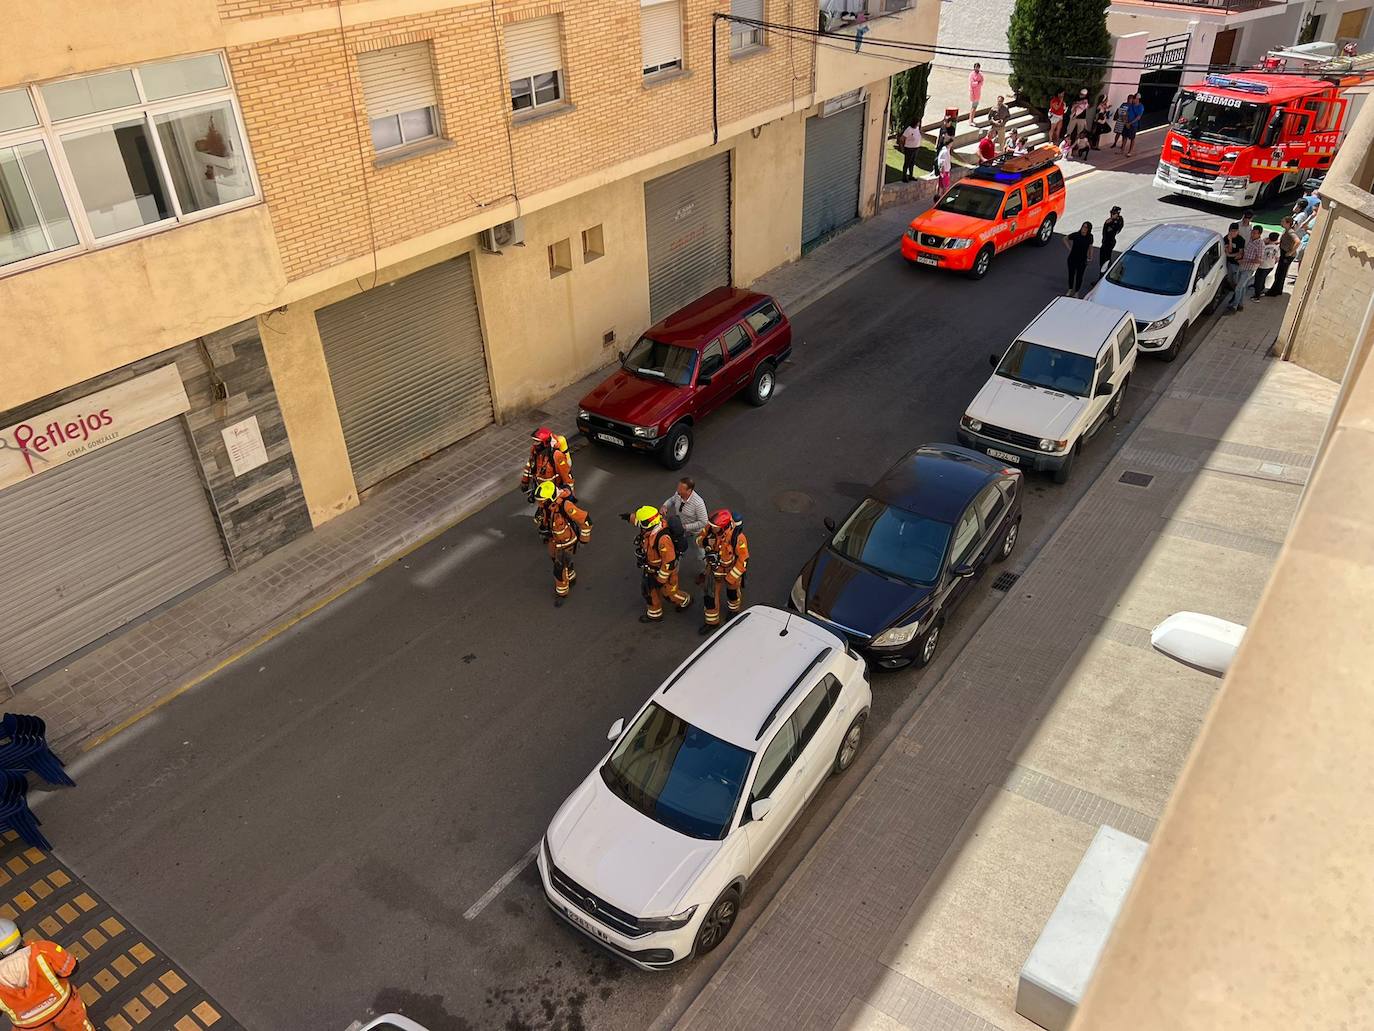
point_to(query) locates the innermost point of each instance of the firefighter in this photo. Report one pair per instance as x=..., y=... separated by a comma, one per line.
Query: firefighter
x=549, y=460
x=658, y=564
x=727, y=559
x=35, y=986
x=563, y=526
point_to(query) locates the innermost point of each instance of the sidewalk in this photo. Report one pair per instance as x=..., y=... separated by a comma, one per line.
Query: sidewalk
x=923, y=898
x=113, y=682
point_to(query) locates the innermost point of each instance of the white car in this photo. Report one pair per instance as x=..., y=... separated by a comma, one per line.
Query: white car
x=651, y=854
x=1168, y=279
x=1057, y=384
x=386, y=1022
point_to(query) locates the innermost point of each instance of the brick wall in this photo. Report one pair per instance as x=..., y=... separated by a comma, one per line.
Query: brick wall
x=330, y=198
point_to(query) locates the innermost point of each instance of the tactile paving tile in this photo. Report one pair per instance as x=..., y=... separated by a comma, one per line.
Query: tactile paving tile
x=126, y=981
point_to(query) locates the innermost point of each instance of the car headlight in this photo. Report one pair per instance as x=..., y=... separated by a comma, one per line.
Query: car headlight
x=1160, y=323
x=582, y=414
x=648, y=432
x=1237, y=182
x=911, y=233
x=958, y=245
x=1231, y=155
x=1053, y=445
x=896, y=636
x=968, y=422
x=799, y=595
x=667, y=923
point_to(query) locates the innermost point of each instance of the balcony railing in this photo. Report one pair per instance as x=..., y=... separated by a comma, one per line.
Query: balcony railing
x=1225, y=6
x=839, y=15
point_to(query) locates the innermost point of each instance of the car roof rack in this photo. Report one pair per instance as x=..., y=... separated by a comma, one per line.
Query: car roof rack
x=709, y=645
x=768, y=720
x=1012, y=168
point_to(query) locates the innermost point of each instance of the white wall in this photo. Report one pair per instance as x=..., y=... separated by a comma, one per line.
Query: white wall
x=975, y=25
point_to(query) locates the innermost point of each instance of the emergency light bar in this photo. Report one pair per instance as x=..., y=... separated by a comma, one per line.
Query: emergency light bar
x=1243, y=85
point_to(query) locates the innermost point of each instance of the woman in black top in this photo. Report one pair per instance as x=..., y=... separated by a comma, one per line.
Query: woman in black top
x=1101, y=124
x=1080, y=245
x=1111, y=229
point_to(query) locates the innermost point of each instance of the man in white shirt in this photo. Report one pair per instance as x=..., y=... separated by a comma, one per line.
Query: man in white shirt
x=911, y=143
x=688, y=506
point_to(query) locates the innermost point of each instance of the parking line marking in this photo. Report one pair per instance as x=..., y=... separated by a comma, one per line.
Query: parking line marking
x=501, y=884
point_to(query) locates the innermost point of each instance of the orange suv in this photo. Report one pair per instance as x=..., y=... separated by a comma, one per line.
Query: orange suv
x=995, y=206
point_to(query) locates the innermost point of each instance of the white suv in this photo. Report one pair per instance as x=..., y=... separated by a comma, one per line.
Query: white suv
x=1063, y=377
x=652, y=853
x=1168, y=279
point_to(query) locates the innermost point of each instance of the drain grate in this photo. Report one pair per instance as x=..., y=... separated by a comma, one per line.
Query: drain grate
x=1005, y=581
x=1135, y=479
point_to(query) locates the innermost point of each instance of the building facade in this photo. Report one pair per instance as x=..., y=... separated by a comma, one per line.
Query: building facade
x=359, y=231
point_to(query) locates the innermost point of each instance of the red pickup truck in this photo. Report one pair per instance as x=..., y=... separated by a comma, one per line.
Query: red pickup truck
x=684, y=368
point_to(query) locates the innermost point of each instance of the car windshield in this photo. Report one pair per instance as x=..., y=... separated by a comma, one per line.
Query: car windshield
x=1047, y=367
x=975, y=201
x=1217, y=119
x=1151, y=275
x=892, y=540
x=656, y=360
x=678, y=774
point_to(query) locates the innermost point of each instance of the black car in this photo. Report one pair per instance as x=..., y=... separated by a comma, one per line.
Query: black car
x=895, y=569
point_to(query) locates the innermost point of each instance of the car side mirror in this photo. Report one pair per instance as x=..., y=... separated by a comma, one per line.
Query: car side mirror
x=962, y=570
x=1104, y=389
x=829, y=524
x=993, y=360
x=704, y=380
x=617, y=728
x=759, y=808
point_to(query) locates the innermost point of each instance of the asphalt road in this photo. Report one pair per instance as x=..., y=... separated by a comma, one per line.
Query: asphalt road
x=308, y=831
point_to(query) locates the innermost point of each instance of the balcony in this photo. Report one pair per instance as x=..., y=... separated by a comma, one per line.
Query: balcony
x=1221, y=7
x=856, y=46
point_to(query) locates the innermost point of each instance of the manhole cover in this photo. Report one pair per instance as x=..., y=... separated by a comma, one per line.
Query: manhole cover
x=1005, y=581
x=793, y=501
x=1135, y=479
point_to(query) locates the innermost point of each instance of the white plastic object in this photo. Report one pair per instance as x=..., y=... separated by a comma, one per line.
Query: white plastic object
x=1199, y=640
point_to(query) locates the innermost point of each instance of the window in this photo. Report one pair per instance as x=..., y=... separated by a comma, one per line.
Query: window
x=593, y=244
x=1106, y=365
x=97, y=158
x=764, y=318
x=893, y=541
x=535, y=63
x=974, y=201
x=1125, y=340
x=1136, y=270
x=965, y=537
x=1047, y=367
x=711, y=359
x=811, y=714
x=653, y=359
x=560, y=258
x=777, y=760
x=746, y=37
x=1035, y=191
x=398, y=92
x=990, y=503
x=1056, y=181
x=660, y=35
x=1013, y=207
x=833, y=687
x=736, y=340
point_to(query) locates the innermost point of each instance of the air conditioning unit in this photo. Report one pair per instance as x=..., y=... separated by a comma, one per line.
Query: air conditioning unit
x=506, y=234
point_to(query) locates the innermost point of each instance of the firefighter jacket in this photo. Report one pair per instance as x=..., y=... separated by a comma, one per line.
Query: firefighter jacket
x=33, y=983
x=547, y=463
x=727, y=553
x=562, y=523
x=660, y=557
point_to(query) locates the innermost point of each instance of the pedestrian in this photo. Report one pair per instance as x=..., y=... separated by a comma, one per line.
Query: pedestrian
x=1080, y=245
x=1017, y=144
x=727, y=560
x=975, y=90
x=1250, y=259
x=549, y=460
x=1119, y=122
x=1309, y=202
x=1101, y=124
x=1079, y=114
x=1247, y=222
x=1135, y=111
x=1288, y=250
x=1232, y=246
x=1111, y=229
x=563, y=526
x=987, y=147
x=947, y=132
x=1267, y=264
x=943, y=165
x=999, y=117
x=687, y=507
x=1057, y=110
x=35, y=983
x=658, y=561
x=1079, y=147
x=911, y=146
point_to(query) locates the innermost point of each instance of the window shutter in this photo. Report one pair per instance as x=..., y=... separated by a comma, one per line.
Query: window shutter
x=532, y=47
x=396, y=80
x=747, y=9
x=661, y=32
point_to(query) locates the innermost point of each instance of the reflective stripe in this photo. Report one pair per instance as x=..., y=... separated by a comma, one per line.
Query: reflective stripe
x=46, y=1011
x=13, y=937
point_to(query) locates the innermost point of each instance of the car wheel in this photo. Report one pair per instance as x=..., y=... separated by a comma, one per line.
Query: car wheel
x=849, y=747
x=761, y=390
x=1172, y=351
x=930, y=640
x=1061, y=475
x=718, y=921
x=1009, y=541
x=1046, y=233
x=677, y=447
x=981, y=263
x=1114, y=409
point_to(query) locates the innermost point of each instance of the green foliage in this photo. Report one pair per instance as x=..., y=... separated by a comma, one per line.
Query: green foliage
x=910, y=90
x=1045, y=36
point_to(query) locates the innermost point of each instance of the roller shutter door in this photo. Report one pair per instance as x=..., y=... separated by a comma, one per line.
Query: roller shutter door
x=830, y=178
x=97, y=542
x=687, y=218
x=408, y=368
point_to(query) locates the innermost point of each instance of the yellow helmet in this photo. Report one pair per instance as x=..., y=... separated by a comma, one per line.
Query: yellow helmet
x=646, y=515
x=560, y=442
x=547, y=489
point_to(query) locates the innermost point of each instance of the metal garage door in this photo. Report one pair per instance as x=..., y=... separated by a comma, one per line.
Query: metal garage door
x=830, y=179
x=98, y=541
x=687, y=216
x=408, y=368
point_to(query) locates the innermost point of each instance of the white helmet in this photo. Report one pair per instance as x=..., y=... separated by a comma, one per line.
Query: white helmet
x=10, y=938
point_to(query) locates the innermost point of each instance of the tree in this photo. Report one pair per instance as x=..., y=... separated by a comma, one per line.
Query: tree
x=1049, y=40
x=910, y=90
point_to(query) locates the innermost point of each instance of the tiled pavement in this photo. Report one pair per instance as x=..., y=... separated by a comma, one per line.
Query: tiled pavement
x=925, y=894
x=125, y=981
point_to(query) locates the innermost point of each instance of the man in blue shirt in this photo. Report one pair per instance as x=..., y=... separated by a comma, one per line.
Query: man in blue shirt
x=1135, y=111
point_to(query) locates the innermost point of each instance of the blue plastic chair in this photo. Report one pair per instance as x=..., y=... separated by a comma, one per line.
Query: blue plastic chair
x=14, y=809
x=26, y=748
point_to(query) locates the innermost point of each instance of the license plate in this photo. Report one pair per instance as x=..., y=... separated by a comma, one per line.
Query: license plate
x=609, y=439
x=1004, y=456
x=586, y=925
x=922, y=259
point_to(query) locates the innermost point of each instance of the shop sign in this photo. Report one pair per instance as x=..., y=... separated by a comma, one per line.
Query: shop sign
x=77, y=428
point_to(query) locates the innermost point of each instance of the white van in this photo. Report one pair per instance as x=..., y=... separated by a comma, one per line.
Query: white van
x=1063, y=377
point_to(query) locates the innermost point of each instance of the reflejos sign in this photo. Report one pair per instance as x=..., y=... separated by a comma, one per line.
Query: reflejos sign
x=57, y=436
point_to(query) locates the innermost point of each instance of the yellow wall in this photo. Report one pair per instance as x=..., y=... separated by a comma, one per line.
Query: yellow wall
x=840, y=69
x=767, y=198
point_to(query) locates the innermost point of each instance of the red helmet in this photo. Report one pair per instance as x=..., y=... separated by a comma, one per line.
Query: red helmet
x=721, y=518
x=543, y=434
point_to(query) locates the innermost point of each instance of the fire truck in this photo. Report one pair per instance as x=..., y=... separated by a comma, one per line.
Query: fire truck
x=1244, y=137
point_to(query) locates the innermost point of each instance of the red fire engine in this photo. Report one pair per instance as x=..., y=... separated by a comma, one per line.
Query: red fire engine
x=1245, y=137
